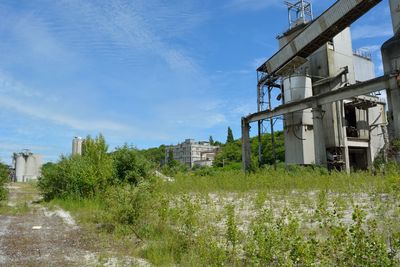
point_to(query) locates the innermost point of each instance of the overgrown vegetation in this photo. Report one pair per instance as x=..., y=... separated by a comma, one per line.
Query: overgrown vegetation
x=4, y=178
x=223, y=217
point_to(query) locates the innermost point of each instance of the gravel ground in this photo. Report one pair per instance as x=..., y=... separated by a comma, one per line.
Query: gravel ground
x=39, y=237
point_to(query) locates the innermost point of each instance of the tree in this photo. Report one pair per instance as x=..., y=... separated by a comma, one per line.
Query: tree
x=130, y=166
x=156, y=155
x=170, y=160
x=229, y=138
x=211, y=140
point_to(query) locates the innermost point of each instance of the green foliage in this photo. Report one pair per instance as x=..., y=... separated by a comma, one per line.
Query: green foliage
x=79, y=176
x=187, y=222
x=128, y=204
x=211, y=140
x=155, y=155
x=232, y=232
x=231, y=152
x=174, y=167
x=229, y=138
x=4, y=178
x=74, y=177
x=129, y=165
x=267, y=155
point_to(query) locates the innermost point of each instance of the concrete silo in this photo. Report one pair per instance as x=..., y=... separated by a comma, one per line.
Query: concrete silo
x=77, y=145
x=19, y=161
x=27, y=166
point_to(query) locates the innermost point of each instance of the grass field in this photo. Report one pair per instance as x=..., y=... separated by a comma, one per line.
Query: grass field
x=297, y=217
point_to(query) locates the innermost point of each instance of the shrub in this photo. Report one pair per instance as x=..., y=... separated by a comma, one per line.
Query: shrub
x=4, y=178
x=130, y=166
x=74, y=177
x=78, y=176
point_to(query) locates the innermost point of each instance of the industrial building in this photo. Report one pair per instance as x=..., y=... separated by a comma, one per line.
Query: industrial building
x=330, y=106
x=27, y=166
x=355, y=128
x=77, y=145
x=193, y=153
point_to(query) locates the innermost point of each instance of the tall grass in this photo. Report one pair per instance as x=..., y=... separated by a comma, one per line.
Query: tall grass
x=283, y=180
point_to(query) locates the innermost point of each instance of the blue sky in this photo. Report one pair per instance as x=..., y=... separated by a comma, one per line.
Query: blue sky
x=145, y=72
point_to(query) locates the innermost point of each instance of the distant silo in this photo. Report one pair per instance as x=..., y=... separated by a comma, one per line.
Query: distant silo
x=27, y=166
x=32, y=169
x=77, y=145
x=19, y=161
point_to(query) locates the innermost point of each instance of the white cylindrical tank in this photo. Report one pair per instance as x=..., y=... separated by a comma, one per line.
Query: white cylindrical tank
x=32, y=168
x=77, y=145
x=297, y=87
x=19, y=167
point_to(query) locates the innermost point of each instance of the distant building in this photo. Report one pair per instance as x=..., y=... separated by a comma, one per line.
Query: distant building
x=77, y=145
x=193, y=153
x=27, y=166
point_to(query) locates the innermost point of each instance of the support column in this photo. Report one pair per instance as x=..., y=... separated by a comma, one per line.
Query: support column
x=345, y=149
x=394, y=109
x=319, y=138
x=260, y=143
x=246, y=148
x=391, y=65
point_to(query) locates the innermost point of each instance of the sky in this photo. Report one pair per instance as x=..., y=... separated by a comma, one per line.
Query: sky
x=142, y=72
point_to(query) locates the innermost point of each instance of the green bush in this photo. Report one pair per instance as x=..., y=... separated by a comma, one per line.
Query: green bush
x=75, y=177
x=78, y=176
x=4, y=178
x=130, y=166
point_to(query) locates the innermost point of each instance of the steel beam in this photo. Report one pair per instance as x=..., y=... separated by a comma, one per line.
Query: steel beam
x=377, y=84
x=334, y=20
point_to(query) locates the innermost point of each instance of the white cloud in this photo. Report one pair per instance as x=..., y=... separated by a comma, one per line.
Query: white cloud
x=41, y=112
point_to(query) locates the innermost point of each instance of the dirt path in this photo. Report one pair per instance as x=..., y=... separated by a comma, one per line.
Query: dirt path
x=31, y=235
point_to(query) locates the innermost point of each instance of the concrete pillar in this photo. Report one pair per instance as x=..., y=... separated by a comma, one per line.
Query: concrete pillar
x=246, y=148
x=395, y=13
x=394, y=109
x=319, y=137
x=391, y=65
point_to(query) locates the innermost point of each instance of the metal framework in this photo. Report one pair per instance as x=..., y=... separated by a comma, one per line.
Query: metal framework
x=264, y=103
x=302, y=11
x=295, y=52
x=388, y=82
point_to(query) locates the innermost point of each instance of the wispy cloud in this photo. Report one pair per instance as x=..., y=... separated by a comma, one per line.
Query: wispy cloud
x=20, y=98
x=126, y=25
x=371, y=31
x=253, y=4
